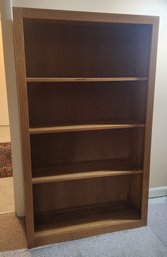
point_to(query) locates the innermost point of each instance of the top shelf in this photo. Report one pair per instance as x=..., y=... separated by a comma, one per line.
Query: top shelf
x=98, y=79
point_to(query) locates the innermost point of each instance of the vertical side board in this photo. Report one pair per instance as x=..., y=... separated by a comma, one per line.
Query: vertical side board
x=149, y=117
x=24, y=120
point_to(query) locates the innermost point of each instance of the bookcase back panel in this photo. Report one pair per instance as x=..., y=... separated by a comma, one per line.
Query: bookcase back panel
x=135, y=192
x=86, y=103
x=84, y=49
x=137, y=146
x=53, y=196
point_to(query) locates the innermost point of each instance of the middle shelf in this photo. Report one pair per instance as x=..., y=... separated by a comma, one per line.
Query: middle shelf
x=80, y=155
x=83, y=127
x=83, y=79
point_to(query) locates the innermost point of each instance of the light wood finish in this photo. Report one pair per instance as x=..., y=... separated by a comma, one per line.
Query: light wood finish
x=92, y=75
x=149, y=117
x=87, y=16
x=82, y=175
x=85, y=79
x=22, y=97
x=82, y=128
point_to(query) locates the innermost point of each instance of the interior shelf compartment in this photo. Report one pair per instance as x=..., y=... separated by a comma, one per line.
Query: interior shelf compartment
x=86, y=49
x=84, y=170
x=91, y=151
x=97, y=217
x=100, y=201
x=67, y=104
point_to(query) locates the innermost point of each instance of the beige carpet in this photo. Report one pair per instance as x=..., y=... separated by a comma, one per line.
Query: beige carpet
x=12, y=233
x=6, y=195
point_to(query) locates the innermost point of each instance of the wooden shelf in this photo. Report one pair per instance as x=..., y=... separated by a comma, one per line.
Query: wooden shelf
x=85, y=170
x=98, y=79
x=98, y=216
x=87, y=127
x=82, y=175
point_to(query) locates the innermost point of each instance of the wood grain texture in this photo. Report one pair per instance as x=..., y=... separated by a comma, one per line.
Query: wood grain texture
x=87, y=16
x=23, y=104
x=92, y=75
x=82, y=175
x=72, y=128
x=149, y=116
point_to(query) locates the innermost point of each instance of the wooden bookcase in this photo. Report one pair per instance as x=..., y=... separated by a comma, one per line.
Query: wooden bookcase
x=85, y=88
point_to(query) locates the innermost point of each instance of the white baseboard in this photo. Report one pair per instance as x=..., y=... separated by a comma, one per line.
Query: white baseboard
x=157, y=192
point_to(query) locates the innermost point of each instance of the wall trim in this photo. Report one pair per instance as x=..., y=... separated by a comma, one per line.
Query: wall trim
x=157, y=192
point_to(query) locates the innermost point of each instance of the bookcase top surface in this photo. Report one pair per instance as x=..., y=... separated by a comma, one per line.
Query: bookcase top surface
x=64, y=15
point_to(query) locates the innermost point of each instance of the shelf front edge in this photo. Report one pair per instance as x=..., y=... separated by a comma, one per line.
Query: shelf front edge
x=59, y=129
x=82, y=175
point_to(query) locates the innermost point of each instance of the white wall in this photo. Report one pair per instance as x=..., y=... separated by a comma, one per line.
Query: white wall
x=4, y=119
x=145, y=7
x=7, y=36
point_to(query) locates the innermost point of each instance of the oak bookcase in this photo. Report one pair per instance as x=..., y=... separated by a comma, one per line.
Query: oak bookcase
x=85, y=89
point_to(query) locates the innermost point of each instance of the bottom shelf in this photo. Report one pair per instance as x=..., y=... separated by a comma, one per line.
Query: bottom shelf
x=85, y=221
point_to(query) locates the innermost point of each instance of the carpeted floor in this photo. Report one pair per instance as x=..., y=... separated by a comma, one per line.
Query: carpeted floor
x=140, y=242
x=158, y=218
x=12, y=233
x=6, y=195
x=5, y=160
x=150, y=241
